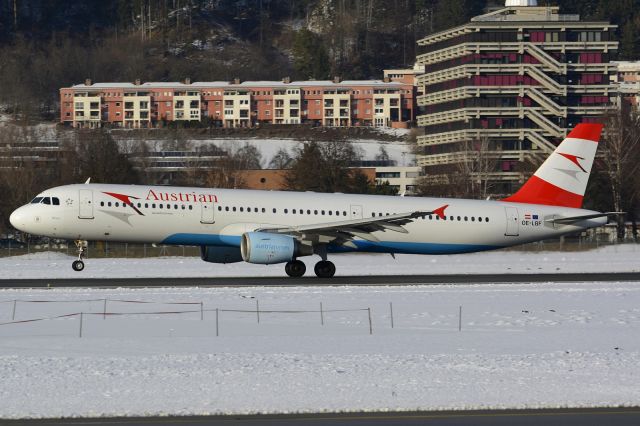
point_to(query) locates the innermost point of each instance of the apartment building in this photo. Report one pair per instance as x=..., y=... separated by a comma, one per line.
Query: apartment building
x=628, y=80
x=510, y=83
x=402, y=178
x=379, y=103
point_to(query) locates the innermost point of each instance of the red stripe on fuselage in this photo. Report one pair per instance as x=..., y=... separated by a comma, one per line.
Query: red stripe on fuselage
x=538, y=191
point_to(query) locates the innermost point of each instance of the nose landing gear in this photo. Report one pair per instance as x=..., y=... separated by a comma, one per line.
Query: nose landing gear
x=78, y=265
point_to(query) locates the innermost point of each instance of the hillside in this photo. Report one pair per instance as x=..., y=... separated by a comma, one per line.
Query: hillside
x=49, y=44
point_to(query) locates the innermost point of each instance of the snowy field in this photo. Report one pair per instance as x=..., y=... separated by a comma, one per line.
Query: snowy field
x=520, y=345
x=619, y=258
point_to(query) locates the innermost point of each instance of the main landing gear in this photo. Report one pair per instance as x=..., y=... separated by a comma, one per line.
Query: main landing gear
x=78, y=265
x=295, y=268
x=323, y=269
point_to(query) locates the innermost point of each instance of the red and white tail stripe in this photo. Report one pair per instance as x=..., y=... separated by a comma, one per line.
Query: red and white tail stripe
x=562, y=179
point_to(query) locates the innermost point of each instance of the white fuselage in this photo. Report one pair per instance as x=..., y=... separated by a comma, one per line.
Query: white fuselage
x=219, y=217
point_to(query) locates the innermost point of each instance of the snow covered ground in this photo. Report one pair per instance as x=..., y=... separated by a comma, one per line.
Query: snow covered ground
x=521, y=345
x=618, y=258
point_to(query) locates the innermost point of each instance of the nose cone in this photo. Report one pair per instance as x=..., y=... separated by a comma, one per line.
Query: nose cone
x=18, y=219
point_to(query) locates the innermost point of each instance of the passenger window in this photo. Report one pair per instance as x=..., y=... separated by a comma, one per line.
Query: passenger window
x=264, y=210
x=337, y=213
x=36, y=200
x=459, y=218
x=344, y=213
x=331, y=213
x=190, y=207
x=139, y=205
x=430, y=217
x=274, y=210
x=159, y=205
x=315, y=212
x=466, y=218
x=286, y=211
x=146, y=205
x=56, y=201
x=308, y=211
x=226, y=208
x=293, y=211
x=479, y=219
x=101, y=203
x=109, y=204
x=473, y=219
x=175, y=206
x=233, y=208
x=241, y=209
x=486, y=219
x=153, y=206
x=46, y=200
x=219, y=208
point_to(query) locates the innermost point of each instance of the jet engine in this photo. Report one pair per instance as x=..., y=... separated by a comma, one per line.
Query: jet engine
x=266, y=248
x=220, y=254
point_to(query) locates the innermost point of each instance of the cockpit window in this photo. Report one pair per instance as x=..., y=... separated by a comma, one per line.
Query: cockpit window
x=36, y=200
x=55, y=201
x=46, y=200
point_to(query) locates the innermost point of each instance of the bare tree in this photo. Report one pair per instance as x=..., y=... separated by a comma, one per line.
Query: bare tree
x=477, y=166
x=280, y=160
x=619, y=153
x=468, y=175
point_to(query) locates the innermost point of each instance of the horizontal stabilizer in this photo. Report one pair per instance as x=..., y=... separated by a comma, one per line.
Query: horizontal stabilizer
x=573, y=219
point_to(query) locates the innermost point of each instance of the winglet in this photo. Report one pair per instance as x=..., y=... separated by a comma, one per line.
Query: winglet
x=88, y=181
x=440, y=211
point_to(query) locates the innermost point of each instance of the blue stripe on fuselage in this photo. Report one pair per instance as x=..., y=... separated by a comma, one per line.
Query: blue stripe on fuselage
x=364, y=246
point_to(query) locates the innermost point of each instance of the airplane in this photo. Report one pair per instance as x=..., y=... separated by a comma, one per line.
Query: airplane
x=271, y=227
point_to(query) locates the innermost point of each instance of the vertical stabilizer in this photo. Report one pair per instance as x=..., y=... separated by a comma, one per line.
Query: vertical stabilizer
x=562, y=179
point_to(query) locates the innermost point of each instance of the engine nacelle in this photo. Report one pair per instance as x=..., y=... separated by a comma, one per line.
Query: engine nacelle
x=220, y=254
x=266, y=248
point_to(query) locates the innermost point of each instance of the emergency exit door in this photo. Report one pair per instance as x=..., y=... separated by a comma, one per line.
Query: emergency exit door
x=206, y=213
x=513, y=229
x=86, y=204
x=356, y=211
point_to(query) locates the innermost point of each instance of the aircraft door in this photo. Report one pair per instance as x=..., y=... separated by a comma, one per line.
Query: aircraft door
x=513, y=229
x=206, y=213
x=356, y=211
x=86, y=204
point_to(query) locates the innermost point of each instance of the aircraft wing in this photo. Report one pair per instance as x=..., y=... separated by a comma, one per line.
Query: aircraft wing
x=343, y=232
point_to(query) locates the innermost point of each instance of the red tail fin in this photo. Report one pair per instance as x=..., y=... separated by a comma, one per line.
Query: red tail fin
x=562, y=179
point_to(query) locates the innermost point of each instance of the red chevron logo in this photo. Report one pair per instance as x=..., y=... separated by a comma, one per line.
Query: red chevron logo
x=574, y=159
x=126, y=199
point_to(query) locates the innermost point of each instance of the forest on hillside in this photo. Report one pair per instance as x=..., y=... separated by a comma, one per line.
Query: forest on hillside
x=48, y=44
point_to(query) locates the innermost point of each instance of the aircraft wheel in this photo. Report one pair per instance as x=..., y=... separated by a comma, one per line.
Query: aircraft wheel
x=78, y=265
x=325, y=269
x=295, y=268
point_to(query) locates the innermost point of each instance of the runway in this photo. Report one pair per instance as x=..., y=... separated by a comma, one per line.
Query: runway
x=360, y=280
x=564, y=417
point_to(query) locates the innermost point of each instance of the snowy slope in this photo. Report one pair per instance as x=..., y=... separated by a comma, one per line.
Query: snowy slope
x=521, y=345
